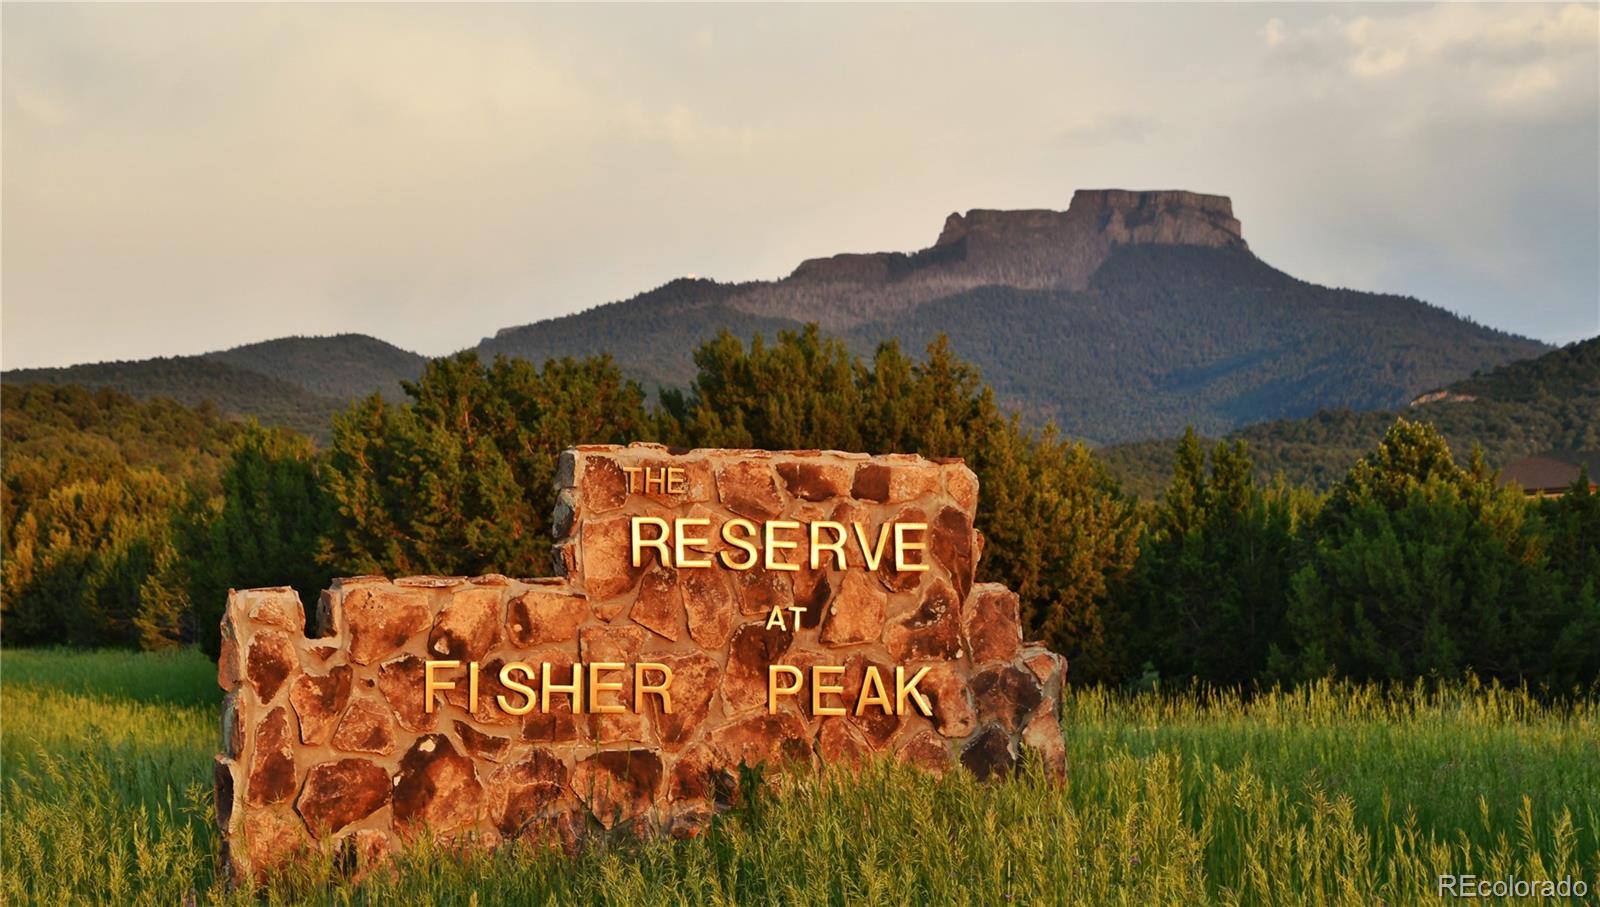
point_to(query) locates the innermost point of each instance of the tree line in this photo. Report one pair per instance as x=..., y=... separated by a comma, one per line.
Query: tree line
x=1412, y=565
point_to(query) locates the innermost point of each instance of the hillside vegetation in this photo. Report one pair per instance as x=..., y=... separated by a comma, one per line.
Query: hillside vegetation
x=340, y=367
x=1227, y=577
x=1524, y=408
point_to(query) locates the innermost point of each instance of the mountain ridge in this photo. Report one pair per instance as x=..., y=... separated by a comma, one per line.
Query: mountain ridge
x=1127, y=315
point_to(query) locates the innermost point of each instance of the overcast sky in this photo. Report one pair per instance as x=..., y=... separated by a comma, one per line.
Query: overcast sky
x=182, y=178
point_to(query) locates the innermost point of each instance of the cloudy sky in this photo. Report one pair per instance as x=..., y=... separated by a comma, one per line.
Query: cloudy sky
x=182, y=178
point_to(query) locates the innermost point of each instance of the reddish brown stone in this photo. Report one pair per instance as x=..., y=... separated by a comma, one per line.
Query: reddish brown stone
x=659, y=607
x=904, y=580
x=701, y=774
x=763, y=738
x=605, y=486
x=487, y=708
x=815, y=481
x=559, y=724
x=752, y=651
x=228, y=674
x=530, y=795
x=930, y=632
x=608, y=559
x=468, y=626
x=747, y=488
x=871, y=483
x=950, y=540
x=272, y=774
x=694, y=682
x=840, y=743
x=1006, y=695
x=989, y=754
x=1042, y=736
x=962, y=486
x=271, y=662
x=380, y=622
x=813, y=591
x=1045, y=664
x=232, y=726
x=618, y=785
x=436, y=786
x=856, y=613
x=362, y=851
x=619, y=645
x=538, y=616
x=318, y=699
x=273, y=839
x=341, y=792
x=994, y=624
x=402, y=683
x=708, y=600
x=365, y=728
x=277, y=607
x=878, y=725
x=762, y=590
x=926, y=751
x=484, y=746
x=947, y=693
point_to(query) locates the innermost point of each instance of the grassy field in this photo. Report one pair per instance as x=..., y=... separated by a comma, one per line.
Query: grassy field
x=1325, y=795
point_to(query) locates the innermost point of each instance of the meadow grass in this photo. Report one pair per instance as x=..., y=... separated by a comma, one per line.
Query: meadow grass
x=1327, y=794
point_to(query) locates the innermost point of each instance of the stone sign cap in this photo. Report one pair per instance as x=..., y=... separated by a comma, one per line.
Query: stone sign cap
x=712, y=608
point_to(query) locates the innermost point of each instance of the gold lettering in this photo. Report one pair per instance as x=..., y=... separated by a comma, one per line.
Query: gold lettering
x=662, y=689
x=675, y=483
x=872, y=556
x=775, y=618
x=656, y=477
x=598, y=686
x=516, y=686
x=744, y=544
x=901, y=565
x=818, y=688
x=639, y=542
x=903, y=688
x=430, y=685
x=633, y=473
x=836, y=546
x=685, y=541
x=574, y=689
x=472, y=687
x=772, y=528
x=774, y=691
x=872, y=692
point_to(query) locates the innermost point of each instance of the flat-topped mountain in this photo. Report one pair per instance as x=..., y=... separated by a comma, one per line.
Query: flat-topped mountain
x=1128, y=315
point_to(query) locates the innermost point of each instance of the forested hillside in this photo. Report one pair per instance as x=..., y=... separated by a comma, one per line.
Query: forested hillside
x=341, y=367
x=1548, y=403
x=196, y=380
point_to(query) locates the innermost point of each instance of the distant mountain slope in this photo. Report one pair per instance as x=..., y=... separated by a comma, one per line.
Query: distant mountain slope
x=342, y=367
x=1552, y=402
x=1129, y=315
x=192, y=380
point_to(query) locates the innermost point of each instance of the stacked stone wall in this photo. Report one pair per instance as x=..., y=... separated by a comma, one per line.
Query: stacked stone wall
x=329, y=740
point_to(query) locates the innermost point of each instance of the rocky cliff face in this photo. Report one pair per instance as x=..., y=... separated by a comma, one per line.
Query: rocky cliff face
x=1033, y=249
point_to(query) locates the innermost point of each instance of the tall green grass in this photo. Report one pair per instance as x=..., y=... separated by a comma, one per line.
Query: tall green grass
x=1328, y=794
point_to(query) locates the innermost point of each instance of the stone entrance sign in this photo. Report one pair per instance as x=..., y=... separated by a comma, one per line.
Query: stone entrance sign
x=713, y=608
